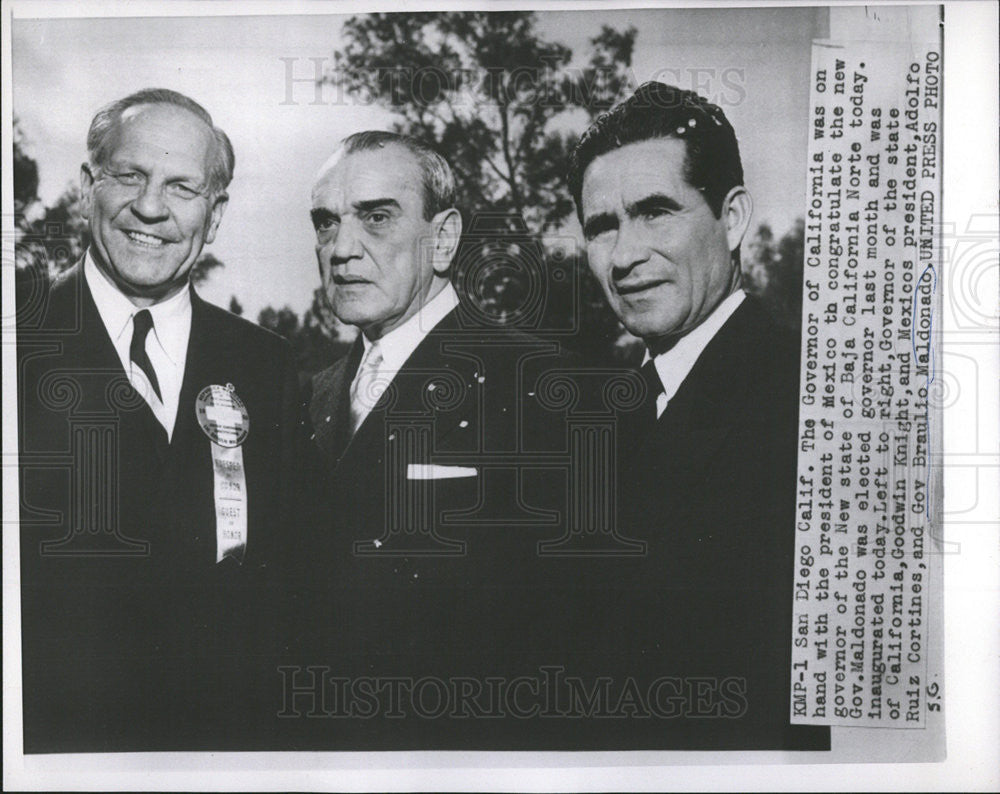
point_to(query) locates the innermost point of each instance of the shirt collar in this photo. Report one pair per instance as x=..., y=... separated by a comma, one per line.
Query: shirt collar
x=115, y=309
x=400, y=342
x=170, y=316
x=674, y=365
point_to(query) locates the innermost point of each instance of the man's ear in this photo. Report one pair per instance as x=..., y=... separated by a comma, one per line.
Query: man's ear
x=218, y=208
x=447, y=229
x=737, y=207
x=86, y=186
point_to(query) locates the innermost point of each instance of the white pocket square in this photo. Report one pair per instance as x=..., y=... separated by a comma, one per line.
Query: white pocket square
x=431, y=471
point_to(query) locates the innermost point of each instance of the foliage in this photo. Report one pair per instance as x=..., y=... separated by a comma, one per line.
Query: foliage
x=204, y=266
x=25, y=174
x=506, y=106
x=486, y=88
x=49, y=239
x=773, y=272
x=314, y=339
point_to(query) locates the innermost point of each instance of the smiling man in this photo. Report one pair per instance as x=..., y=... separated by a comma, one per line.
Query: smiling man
x=708, y=461
x=156, y=443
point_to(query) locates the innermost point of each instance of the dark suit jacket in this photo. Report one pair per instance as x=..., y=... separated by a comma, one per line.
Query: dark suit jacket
x=675, y=634
x=710, y=487
x=414, y=577
x=134, y=638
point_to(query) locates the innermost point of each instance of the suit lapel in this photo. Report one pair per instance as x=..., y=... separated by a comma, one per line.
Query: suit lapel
x=329, y=407
x=198, y=373
x=709, y=405
x=189, y=467
x=407, y=394
x=96, y=348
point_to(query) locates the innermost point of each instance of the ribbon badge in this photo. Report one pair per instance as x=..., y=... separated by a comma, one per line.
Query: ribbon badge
x=224, y=419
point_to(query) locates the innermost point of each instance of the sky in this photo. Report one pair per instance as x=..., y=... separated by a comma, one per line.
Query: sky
x=754, y=62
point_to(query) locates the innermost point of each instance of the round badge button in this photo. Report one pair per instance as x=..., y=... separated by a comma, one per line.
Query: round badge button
x=222, y=415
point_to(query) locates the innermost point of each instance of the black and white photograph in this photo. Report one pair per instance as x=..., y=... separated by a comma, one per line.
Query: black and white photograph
x=499, y=396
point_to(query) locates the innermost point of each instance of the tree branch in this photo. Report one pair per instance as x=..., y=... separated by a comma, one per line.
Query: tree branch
x=515, y=194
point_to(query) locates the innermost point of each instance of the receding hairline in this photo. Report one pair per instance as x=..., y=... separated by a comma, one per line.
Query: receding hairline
x=341, y=154
x=130, y=113
x=435, y=174
x=142, y=107
x=107, y=124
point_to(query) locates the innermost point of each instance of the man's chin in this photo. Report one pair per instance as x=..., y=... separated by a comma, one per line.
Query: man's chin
x=146, y=285
x=350, y=314
x=648, y=327
x=354, y=306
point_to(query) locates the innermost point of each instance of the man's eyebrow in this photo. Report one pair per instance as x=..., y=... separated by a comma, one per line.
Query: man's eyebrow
x=595, y=224
x=123, y=165
x=129, y=165
x=655, y=201
x=374, y=204
x=319, y=214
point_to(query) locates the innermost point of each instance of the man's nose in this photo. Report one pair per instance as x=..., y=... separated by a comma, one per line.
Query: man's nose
x=347, y=244
x=149, y=205
x=630, y=249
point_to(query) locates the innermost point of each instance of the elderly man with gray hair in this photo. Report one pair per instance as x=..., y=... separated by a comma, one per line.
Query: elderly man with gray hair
x=144, y=551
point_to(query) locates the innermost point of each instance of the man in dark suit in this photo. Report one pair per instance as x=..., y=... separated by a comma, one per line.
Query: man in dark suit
x=156, y=457
x=708, y=468
x=427, y=426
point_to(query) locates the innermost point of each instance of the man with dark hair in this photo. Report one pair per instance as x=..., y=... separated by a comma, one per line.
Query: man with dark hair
x=708, y=462
x=655, y=111
x=156, y=443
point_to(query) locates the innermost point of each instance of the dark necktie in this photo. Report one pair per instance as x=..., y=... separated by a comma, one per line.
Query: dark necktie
x=635, y=427
x=654, y=388
x=142, y=322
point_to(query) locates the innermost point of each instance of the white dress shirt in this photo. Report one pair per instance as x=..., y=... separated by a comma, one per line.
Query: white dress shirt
x=676, y=364
x=166, y=344
x=399, y=344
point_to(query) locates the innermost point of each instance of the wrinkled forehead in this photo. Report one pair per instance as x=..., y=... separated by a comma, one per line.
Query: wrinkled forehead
x=390, y=172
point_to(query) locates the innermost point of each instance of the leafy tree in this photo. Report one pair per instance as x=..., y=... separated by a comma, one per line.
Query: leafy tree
x=315, y=339
x=506, y=108
x=204, y=267
x=25, y=173
x=486, y=87
x=773, y=272
x=51, y=239
x=283, y=322
x=762, y=256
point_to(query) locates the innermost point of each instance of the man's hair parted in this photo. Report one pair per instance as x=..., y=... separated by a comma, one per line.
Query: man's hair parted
x=109, y=117
x=656, y=110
